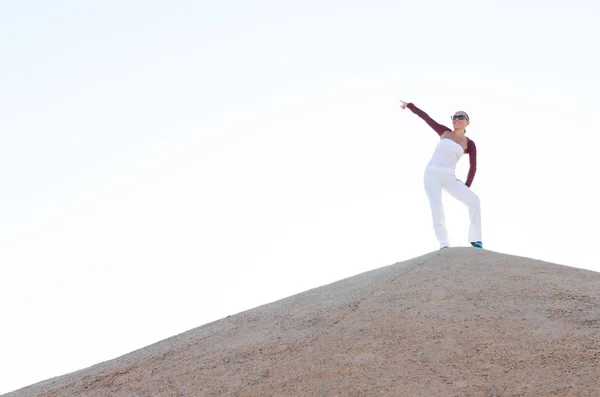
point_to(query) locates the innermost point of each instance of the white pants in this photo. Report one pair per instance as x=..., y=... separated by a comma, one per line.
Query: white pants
x=436, y=179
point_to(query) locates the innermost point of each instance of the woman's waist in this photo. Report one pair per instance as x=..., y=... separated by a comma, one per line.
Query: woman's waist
x=442, y=168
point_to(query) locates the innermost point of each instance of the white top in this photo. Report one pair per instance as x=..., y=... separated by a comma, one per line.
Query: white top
x=446, y=154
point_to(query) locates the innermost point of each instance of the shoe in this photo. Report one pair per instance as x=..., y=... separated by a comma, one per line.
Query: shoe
x=445, y=246
x=477, y=244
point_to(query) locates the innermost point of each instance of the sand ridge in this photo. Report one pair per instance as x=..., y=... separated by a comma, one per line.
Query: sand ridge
x=456, y=322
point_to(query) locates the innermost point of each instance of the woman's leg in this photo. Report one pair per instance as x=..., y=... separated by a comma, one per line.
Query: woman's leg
x=465, y=195
x=433, y=188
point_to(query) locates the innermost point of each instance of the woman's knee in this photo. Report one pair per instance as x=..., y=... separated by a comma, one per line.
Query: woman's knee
x=473, y=200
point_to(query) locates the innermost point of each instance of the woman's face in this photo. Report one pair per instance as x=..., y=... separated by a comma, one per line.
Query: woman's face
x=460, y=120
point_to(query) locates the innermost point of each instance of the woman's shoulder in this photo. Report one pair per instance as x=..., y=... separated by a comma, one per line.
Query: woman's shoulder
x=471, y=147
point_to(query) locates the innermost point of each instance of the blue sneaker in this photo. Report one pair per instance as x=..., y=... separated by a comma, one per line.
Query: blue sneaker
x=477, y=244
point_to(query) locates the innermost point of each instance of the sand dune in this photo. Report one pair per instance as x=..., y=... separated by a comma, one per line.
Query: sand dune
x=456, y=322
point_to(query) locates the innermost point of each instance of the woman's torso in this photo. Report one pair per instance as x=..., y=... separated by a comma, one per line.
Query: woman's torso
x=460, y=139
x=449, y=150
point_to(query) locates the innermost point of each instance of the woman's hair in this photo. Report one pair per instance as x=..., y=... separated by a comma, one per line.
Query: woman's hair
x=468, y=118
x=462, y=111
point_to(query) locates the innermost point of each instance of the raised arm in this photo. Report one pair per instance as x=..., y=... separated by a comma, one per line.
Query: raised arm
x=472, y=151
x=437, y=127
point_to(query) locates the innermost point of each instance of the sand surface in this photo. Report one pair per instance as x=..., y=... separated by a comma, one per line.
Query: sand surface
x=456, y=322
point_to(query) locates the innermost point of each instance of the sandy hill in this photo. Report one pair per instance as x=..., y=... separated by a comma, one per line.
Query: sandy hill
x=456, y=322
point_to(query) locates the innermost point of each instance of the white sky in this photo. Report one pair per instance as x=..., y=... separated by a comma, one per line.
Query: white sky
x=166, y=164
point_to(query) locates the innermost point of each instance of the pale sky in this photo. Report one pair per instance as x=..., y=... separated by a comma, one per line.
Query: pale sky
x=166, y=164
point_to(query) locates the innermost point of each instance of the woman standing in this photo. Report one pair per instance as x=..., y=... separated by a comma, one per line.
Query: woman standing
x=440, y=174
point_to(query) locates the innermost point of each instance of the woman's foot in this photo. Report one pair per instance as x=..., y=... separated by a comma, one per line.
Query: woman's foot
x=477, y=244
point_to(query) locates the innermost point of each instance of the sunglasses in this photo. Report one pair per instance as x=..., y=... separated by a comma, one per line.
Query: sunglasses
x=460, y=117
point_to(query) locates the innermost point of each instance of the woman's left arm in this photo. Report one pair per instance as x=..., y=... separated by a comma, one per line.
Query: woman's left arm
x=472, y=151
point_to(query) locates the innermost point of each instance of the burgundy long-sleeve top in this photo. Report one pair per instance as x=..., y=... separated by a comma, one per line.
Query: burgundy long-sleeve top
x=440, y=129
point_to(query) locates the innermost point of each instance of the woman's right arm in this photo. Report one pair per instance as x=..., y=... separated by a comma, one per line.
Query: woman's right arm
x=437, y=127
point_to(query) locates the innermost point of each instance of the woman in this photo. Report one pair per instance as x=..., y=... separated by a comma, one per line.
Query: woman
x=440, y=174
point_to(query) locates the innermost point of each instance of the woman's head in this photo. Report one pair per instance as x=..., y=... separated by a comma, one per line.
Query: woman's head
x=460, y=120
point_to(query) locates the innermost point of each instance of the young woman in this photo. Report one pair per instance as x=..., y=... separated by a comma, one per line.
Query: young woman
x=440, y=174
